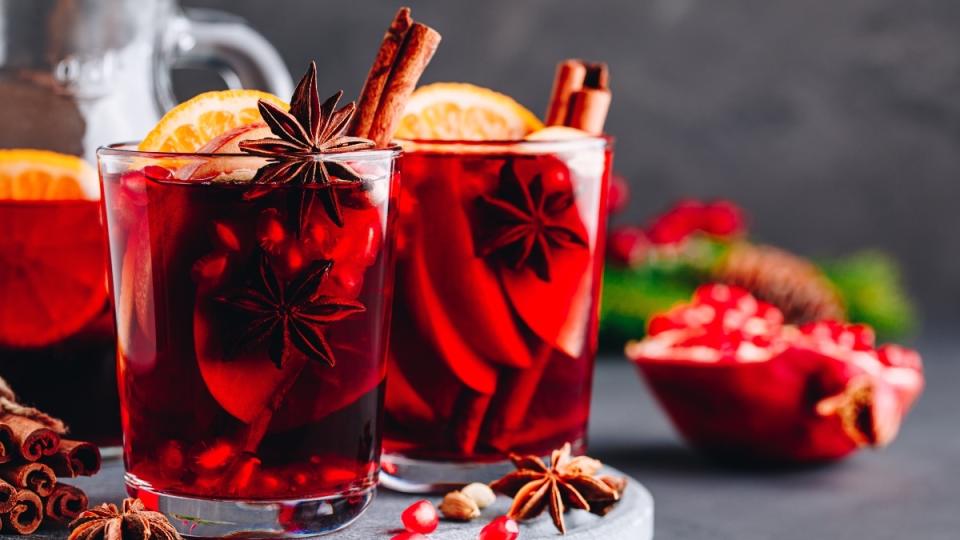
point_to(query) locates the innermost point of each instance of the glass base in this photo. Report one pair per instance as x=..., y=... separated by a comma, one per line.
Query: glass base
x=217, y=518
x=408, y=475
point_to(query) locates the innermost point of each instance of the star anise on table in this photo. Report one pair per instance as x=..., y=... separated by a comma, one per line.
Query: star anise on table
x=566, y=483
x=133, y=522
x=288, y=315
x=303, y=135
x=525, y=223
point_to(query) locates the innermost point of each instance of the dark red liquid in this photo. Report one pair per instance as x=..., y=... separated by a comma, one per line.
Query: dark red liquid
x=495, y=334
x=207, y=414
x=56, y=335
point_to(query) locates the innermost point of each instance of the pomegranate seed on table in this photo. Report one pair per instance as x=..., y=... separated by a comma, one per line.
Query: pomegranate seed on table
x=502, y=528
x=420, y=517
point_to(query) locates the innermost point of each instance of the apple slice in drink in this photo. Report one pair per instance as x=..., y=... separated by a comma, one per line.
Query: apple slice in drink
x=226, y=169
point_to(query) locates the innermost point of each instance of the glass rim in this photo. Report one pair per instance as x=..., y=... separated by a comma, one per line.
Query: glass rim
x=129, y=150
x=499, y=147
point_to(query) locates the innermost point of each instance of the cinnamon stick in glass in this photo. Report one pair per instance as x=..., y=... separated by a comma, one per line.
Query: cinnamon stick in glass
x=418, y=47
x=589, y=105
x=74, y=458
x=26, y=515
x=569, y=78
x=65, y=503
x=31, y=439
x=377, y=77
x=36, y=477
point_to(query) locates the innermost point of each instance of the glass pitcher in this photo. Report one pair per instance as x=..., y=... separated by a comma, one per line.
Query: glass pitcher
x=75, y=75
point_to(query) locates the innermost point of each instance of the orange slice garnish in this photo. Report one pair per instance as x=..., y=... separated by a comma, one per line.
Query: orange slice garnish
x=460, y=111
x=194, y=123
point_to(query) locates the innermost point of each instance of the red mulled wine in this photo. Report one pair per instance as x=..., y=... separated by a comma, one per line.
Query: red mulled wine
x=252, y=323
x=496, y=311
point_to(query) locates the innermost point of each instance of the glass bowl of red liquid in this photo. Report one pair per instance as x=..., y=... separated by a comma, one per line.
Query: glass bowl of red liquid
x=252, y=324
x=500, y=255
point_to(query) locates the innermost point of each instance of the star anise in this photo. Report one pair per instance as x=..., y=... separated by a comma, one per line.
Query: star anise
x=288, y=314
x=134, y=522
x=566, y=483
x=526, y=223
x=309, y=130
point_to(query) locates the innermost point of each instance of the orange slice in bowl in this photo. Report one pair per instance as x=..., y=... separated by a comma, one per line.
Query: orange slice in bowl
x=52, y=274
x=460, y=111
x=194, y=123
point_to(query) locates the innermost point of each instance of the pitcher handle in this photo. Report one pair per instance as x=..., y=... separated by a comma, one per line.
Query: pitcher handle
x=221, y=42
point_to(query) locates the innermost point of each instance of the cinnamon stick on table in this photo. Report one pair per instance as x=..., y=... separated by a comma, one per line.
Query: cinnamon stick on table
x=26, y=515
x=36, y=477
x=74, y=458
x=7, y=495
x=30, y=438
x=65, y=503
x=384, y=98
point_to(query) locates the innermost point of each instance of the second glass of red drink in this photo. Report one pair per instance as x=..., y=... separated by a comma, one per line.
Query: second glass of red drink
x=499, y=266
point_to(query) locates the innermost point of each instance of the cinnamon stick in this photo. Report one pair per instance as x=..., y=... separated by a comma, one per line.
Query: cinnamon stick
x=7, y=496
x=588, y=106
x=418, y=47
x=65, y=503
x=74, y=458
x=569, y=78
x=36, y=477
x=377, y=77
x=26, y=514
x=7, y=446
x=32, y=439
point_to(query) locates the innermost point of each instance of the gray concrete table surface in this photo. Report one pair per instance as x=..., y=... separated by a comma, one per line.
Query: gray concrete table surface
x=908, y=490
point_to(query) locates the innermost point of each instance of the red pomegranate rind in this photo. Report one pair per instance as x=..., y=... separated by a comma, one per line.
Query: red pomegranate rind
x=738, y=383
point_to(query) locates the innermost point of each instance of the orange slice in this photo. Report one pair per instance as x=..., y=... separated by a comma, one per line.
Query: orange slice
x=460, y=111
x=52, y=262
x=194, y=123
x=39, y=175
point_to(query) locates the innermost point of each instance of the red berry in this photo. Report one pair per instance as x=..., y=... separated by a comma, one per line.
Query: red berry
x=619, y=194
x=628, y=245
x=685, y=218
x=420, y=517
x=723, y=218
x=502, y=528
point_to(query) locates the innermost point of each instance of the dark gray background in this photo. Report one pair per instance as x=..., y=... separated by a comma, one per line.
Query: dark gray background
x=835, y=123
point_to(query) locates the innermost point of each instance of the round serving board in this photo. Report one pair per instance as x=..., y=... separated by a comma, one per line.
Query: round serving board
x=631, y=519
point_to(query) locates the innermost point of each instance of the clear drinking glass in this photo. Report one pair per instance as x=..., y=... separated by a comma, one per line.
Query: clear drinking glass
x=252, y=332
x=495, y=319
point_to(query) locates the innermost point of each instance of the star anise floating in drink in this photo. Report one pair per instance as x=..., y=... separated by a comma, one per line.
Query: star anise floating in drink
x=309, y=130
x=569, y=482
x=133, y=522
x=528, y=223
x=288, y=314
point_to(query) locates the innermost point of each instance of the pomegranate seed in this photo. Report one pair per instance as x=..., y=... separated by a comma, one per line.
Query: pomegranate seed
x=502, y=528
x=420, y=517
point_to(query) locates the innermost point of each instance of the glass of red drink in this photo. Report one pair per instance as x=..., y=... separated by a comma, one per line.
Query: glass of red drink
x=495, y=318
x=56, y=327
x=252, y=331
